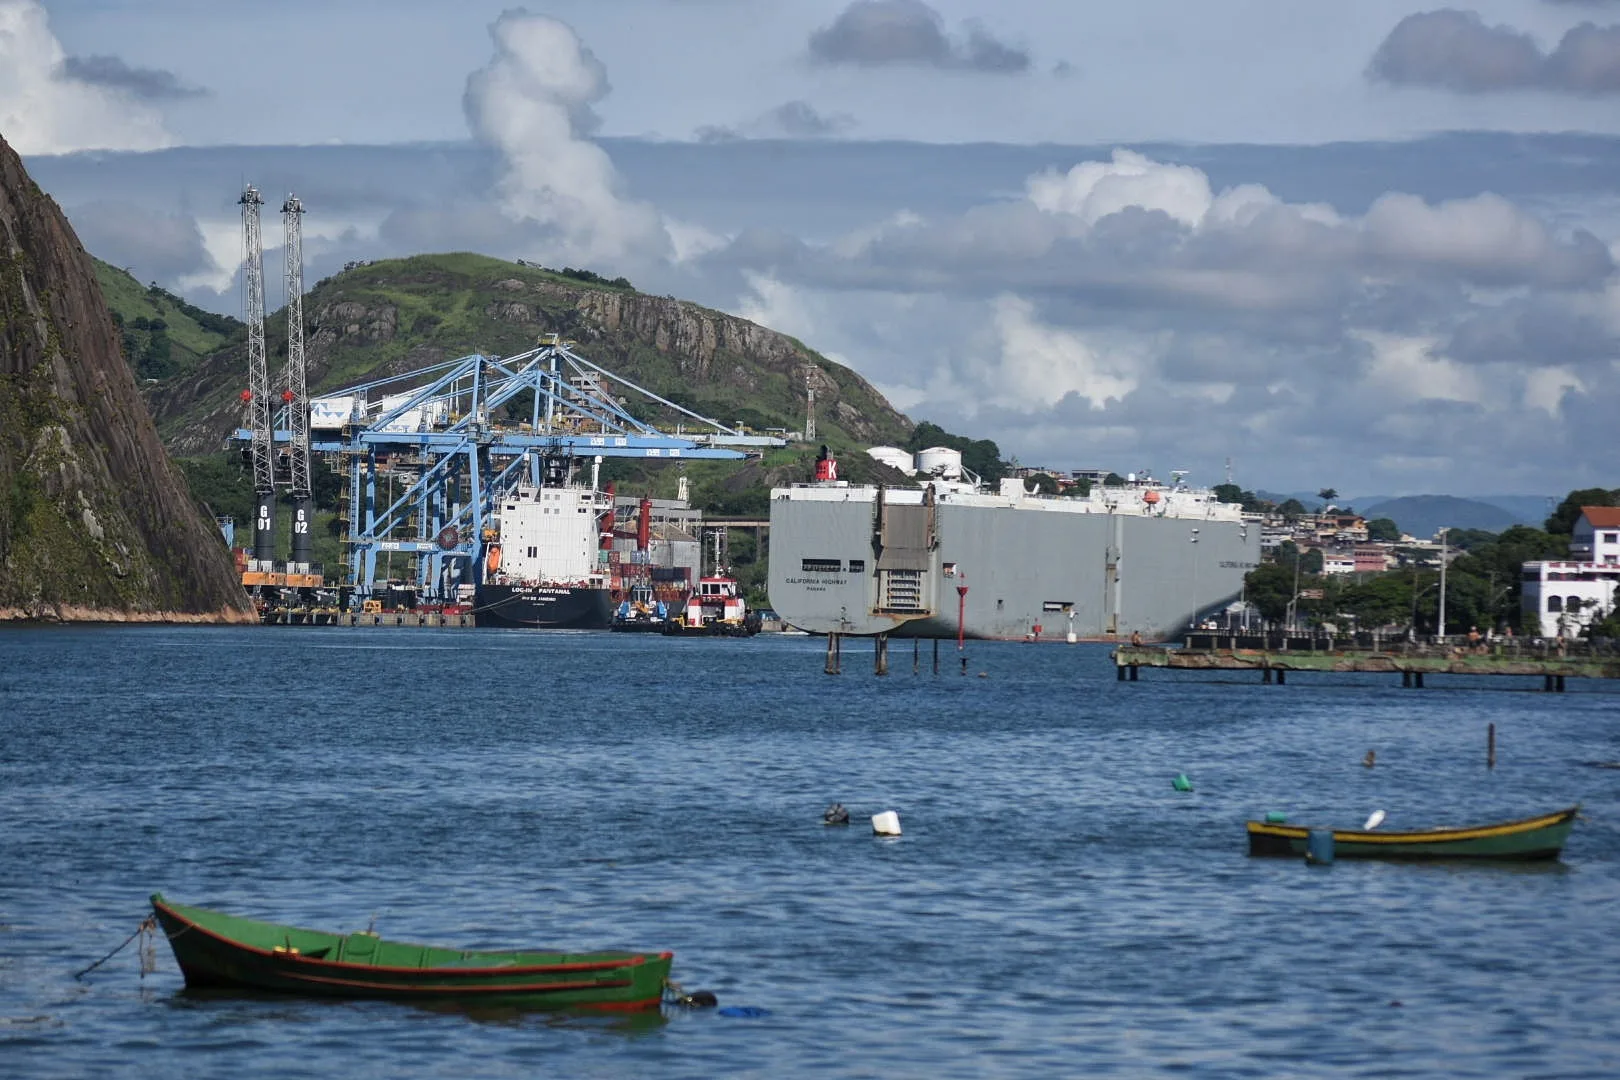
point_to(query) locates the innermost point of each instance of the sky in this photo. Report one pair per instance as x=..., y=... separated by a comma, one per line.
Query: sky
x=1369, y=246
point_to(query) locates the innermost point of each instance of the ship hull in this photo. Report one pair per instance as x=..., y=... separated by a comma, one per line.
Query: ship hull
x=1026, y=564
x=543, y=607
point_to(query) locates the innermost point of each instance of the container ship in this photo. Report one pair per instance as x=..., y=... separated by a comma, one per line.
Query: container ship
x=1143, y=559
x=544, y=569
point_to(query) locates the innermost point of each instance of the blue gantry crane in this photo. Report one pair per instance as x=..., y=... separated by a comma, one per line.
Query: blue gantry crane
x=463, y=433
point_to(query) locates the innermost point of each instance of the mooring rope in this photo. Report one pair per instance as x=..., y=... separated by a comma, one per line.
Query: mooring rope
x=148, y=925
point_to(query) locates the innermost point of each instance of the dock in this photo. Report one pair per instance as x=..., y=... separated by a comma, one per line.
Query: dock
x=1273, y=657
x=337, y=617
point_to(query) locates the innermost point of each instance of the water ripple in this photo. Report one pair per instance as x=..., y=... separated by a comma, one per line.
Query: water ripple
x=1054, y=907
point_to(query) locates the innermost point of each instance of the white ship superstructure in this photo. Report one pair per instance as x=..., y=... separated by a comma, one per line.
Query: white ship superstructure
x=551, y=535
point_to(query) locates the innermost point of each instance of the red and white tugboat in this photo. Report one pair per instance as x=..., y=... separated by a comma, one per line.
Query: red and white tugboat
x=715, y=609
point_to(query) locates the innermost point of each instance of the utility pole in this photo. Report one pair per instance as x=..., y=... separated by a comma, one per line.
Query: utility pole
x=296, y=394
x=1442, y=620
x=810, y=409
x=1293, y=604
x=258, y=392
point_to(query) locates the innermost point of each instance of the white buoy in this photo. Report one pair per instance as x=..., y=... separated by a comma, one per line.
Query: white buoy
x=1375, y=819
x=886, y=823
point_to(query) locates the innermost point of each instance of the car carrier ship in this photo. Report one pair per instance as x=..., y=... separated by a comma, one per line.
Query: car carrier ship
x=1145, y=558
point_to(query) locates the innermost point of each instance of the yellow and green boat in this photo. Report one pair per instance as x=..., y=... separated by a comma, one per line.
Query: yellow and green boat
x=224, y=951
x=1540, y=837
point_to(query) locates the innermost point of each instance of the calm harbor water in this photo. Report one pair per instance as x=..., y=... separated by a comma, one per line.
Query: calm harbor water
x=1054, y=907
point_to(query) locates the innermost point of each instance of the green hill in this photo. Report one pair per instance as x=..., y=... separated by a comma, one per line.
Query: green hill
x=163, y=336
x=1424, y=515
x=396, y=315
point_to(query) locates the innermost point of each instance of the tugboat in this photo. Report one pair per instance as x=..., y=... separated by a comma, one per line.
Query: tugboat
x=641, y=613
x=542, y=570
x=715, y=609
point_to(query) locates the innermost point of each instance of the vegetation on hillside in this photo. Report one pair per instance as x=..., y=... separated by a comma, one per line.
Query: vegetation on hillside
x=162, y=335
x=396, y=315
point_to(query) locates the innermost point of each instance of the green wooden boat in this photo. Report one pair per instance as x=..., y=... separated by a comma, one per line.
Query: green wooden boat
x=1530, y=838
x=219, y=950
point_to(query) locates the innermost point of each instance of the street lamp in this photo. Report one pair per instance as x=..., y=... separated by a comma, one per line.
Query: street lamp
x=1293, y=601
x=1442, y=619
x=1194, y=541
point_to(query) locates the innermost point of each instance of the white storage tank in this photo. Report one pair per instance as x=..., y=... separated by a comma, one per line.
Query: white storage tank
x=895, y=458
x=941, y=462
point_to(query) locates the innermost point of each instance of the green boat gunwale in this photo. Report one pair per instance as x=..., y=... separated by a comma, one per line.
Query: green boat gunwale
x=458, y=971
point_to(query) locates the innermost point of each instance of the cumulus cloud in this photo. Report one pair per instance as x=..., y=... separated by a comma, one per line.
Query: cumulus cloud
x=1069, y=322
x=145, y=84
x=1587, y=60
x=1456, y=50
x=152, y=246
x=1041, y=364
x=875, y=33
x=532, y=104
x=790, y=120
x=44, y=109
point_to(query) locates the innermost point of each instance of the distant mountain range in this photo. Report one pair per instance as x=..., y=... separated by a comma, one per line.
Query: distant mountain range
x=1424, y=515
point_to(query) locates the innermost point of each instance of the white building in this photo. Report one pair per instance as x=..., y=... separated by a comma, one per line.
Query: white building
x=1338, y=563
x=1561, y=599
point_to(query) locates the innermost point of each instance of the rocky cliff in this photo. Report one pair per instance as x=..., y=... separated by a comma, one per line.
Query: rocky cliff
x=398, y=314
x=95, y=521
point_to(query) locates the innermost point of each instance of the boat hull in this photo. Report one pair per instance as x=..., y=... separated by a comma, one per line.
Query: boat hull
x=543, y=607
x=747, y=628
x=639, y=626
x=220, y=951
x=1032, y=568
x=1529, y=839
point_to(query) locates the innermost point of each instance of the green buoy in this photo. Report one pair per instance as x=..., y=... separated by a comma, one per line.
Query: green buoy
x=1181, y=783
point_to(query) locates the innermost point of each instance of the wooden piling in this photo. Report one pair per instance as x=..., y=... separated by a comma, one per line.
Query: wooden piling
x=880, y=655
x=1490, y=746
